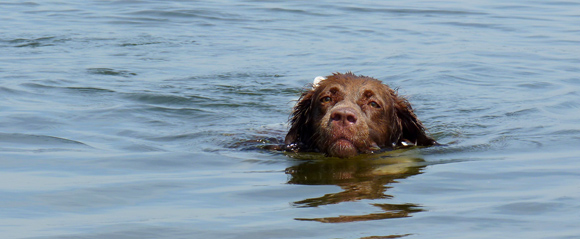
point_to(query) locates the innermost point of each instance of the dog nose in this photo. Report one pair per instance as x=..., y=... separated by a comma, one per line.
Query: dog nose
x=344, y=115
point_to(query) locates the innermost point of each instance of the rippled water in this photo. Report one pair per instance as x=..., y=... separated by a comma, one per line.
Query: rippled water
x=139, y=119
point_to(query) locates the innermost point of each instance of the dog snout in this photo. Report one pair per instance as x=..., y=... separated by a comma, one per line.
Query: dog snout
x=344, y=116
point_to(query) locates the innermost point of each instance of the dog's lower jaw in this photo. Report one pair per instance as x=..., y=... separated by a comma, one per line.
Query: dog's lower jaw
x=342, y=148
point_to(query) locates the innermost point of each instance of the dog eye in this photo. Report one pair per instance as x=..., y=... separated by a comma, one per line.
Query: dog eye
x=326, y=99
x=374, y=104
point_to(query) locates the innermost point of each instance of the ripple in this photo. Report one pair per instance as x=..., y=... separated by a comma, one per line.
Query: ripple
x=5, y=91
x=110, y=72
x=523, y=112
x=28, y=141
x=164, y=99
x=539, y=85
x=566, y=105
x=67, y=89
x=196, y=14
x=139, y=44
x=409, y=11
x=28, y=4
x=528, y=208
x=294, y=11
x=35, y=42
x=183, y=112
x=188, y=136
x=90, y=90
x=476, y=25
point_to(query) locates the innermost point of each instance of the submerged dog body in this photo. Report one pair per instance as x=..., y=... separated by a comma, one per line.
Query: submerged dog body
x=344, y=115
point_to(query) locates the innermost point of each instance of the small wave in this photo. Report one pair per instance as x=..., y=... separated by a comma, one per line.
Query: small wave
x=28, y=4
x=139, y=44
x=199, y=14
x=475, y=25
x=70, y=89
x=163, y=99
x=522, y=112
x=543, y=86
x=9, y=91
x=183, y=112
x=35, y=42
x=28, y=140
x=408, y=11
x=110, y=72
x=295, y=11
x=90, y=90
x=566, y=106
x=188, y=136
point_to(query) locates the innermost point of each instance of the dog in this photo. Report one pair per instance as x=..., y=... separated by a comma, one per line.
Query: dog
x=344, y=115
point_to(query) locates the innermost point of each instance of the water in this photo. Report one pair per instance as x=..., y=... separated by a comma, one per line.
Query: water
x=133, y=119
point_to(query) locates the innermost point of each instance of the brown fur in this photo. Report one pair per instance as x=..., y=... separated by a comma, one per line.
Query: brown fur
x=348, y=114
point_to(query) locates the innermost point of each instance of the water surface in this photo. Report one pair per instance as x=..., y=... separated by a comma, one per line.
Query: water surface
x=134, y=119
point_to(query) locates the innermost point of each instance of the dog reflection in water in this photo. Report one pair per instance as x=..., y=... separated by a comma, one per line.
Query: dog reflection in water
x=359, y=178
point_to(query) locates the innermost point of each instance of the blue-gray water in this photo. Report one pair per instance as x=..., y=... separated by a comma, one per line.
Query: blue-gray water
x=132, y=119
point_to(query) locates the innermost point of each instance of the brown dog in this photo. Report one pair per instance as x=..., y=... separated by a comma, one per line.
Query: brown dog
x=345, y=114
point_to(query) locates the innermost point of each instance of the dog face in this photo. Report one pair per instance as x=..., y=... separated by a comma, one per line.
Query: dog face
x=344, y=115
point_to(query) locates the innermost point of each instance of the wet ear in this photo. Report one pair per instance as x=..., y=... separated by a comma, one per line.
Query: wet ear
x=412, y=130
x=300, y=119
x=299, y=131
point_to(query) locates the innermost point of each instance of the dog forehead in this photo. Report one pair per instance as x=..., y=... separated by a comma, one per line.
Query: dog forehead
x=357, y=86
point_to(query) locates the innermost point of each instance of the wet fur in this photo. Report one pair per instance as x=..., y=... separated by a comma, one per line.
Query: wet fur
x=317, y=125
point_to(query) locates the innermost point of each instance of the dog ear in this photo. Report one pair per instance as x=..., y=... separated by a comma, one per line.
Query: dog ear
x=300, y=119
x=300, y=130
x=412, y=131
